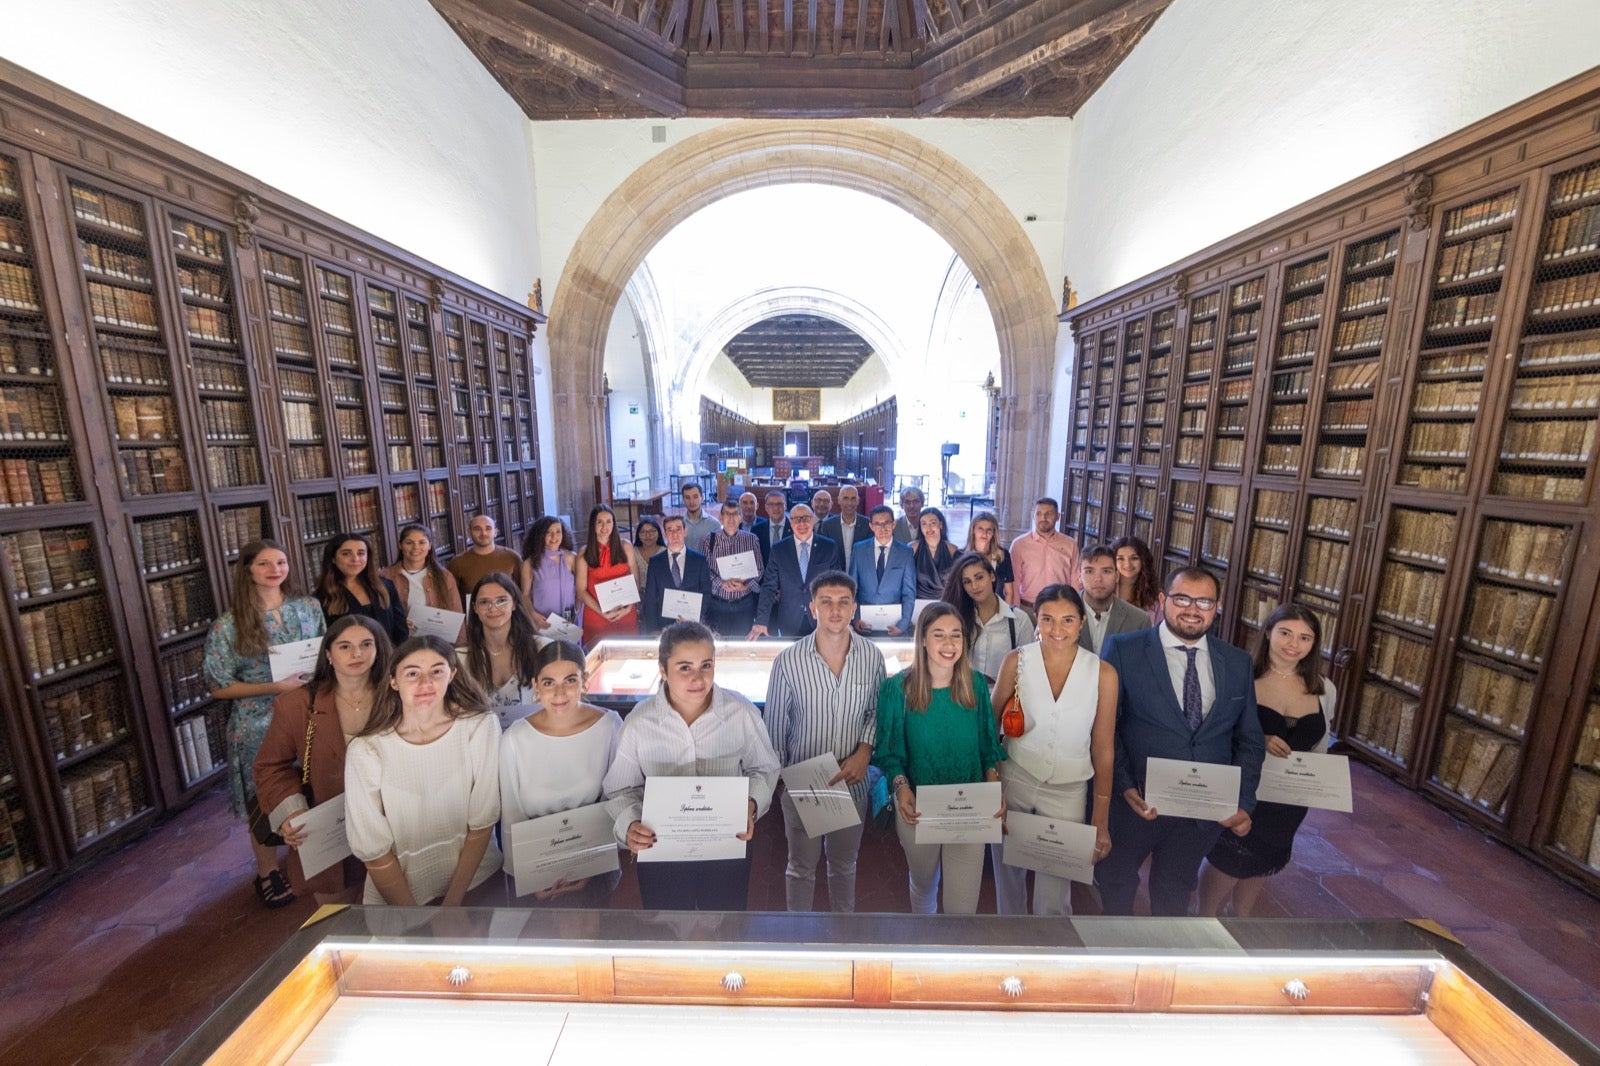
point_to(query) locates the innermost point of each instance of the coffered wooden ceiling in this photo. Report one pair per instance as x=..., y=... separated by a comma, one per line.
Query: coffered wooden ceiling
x=798, y=352
x=568, y=59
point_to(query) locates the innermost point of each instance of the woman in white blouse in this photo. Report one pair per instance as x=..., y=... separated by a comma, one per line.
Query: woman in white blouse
x=422, y=784
x=993, y=627
x=1069, y=707
x=556, y=759
x=692, y=728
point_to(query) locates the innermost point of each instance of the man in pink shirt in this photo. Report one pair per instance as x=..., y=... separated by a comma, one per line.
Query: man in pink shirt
x=1044, y=555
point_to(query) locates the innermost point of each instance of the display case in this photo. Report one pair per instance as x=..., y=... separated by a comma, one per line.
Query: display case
x=587, y=986
x=624, y=672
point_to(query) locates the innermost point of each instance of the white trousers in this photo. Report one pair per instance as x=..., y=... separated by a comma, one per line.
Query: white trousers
x=1026, y=793
x=962, y=865
x=800, y=876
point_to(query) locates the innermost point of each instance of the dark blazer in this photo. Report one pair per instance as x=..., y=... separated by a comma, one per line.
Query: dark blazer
x=1125, y=618
x=899, y=584
x=1150, y=718
x=763, y=531
x=832, y=528
x=658, y=578
x=784, y=595
x=391, y=619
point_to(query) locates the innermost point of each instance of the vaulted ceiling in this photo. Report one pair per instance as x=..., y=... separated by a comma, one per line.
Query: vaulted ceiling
x=568, y=59
x=798, y=352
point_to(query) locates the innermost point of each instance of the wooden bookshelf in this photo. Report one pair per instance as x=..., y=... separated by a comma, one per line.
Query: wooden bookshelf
x=190, y=361
x=1385, y=406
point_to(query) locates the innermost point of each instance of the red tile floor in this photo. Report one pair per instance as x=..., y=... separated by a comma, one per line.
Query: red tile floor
x=120, y=964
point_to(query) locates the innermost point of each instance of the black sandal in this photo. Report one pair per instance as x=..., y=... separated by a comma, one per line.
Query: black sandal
x=273, y=890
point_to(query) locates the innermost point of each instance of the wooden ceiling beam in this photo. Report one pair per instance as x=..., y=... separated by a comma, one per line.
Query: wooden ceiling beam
x=1025, y=38
x=552, y=32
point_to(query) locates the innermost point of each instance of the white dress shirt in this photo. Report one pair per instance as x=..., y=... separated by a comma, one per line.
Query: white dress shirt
x=848, y=535
x=1178, y=664
x=994, y=639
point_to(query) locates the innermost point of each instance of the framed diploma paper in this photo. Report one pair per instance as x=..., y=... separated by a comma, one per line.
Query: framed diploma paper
x=1050, y=845
x=618, y=592
x=958, y=814
x=680, y=605
x=1306, y=779
x=293, y=660
x=695, y=819
x=822, y=807
x=740, y=566
x=568, y=846
x=435, y=622
x=1205, y=790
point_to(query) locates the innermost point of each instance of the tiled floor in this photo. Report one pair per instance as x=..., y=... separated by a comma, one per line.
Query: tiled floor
x=119, y=965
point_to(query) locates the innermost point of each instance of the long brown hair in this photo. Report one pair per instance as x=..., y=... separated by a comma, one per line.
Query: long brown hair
x=1146, y=587
x=462, y=699
x=437, y=576
x=955, y=593
x=524, y=645
x=249, y=620
x=330, y=582
x=322, y=679
x=591, y=550
x=919, y=677
x=1309, y=668
x=997, y=551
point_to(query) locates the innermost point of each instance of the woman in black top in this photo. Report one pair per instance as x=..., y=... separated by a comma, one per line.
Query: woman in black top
x=936, y=556
x=350, y=584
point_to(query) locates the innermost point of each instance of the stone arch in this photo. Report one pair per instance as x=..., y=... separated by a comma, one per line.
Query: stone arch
x=881, y=161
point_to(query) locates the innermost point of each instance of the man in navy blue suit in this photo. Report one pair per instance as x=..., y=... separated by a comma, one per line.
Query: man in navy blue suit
x=771, y=529
x=891, y=580
x=1188, y=696
x=676, y=568
x=785, y=603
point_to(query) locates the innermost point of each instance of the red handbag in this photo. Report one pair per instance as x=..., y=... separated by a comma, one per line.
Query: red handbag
x=1012, y=721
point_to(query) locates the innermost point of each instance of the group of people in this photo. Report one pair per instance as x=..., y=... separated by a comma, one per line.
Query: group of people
x=1102, y=671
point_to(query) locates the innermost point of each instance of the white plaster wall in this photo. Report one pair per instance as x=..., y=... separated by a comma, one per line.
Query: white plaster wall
x=630, y=410
x=725, y=385
x=372, y=111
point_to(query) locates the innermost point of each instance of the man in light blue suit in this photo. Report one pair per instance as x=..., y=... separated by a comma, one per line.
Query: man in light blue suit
x=1188, y=696
x=884, y=571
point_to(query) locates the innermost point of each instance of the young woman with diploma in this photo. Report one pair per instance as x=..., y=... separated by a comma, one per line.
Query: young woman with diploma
x=422, y=784
x=936, y=727
x=605, y=557
x=265, y=612
x=691, y=728
x=418, y=577
x=305, y=744
x=1295, y=704
x=556, y=759
x=1068, y=700
x=500, y=648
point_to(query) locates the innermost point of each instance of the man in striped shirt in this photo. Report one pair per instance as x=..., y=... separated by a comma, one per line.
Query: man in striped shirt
x=822, y=698
x=731, y=610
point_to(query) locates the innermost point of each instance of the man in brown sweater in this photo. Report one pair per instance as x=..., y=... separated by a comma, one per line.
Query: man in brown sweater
x=482, y=556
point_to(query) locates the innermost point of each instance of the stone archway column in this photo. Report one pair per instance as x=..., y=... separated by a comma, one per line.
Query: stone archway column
x=881, y=161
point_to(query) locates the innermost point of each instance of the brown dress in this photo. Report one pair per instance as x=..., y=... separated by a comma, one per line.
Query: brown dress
x=277, y=770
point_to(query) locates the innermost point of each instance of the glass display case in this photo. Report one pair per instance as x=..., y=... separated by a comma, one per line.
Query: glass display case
x=623, y=672
x=424, y=984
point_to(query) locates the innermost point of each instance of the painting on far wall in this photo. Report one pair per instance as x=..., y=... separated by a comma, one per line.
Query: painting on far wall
x=797, y=405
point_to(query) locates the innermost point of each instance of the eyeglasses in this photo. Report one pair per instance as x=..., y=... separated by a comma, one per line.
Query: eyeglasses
x=1205, y=603
x=497, y=604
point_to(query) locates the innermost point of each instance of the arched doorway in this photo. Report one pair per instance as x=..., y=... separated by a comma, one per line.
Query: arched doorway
x=878, y=160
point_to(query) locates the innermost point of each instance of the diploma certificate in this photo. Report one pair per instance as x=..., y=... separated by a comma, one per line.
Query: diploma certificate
x=1306, y=779
x=1205, y=790
x=678, y=604
x=568, y=846
x=822, y=807
x=325, y=843
x=958, y=814
x=435, y=622
x=618, y=592
x=293, y=660
x=516, y=712
x=918, y=607
x=880, y=616
x=1050, y=845
x=740, y=566
x=695, y=819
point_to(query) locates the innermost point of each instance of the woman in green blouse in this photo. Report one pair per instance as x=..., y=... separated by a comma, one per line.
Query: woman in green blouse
x=936, y=727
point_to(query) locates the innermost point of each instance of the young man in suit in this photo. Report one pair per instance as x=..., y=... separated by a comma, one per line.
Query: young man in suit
x=1105, y=614
x=771, y=529
x=785, y=603
x=1184, y=695
x=676, y=568
x=847, y=528
x=885, y=571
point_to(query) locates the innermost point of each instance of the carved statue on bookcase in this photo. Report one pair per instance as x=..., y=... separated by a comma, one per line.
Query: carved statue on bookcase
x=246, y=212
x=1419, y=191
x=1180, y=284
x=436, y=295
x=1069, y=295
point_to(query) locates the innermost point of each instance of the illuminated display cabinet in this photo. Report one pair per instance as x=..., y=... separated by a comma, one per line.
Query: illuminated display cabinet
x=622, y=673
x=420, y=985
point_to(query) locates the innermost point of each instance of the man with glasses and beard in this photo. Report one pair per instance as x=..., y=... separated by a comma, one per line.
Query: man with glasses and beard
x=1184, y=695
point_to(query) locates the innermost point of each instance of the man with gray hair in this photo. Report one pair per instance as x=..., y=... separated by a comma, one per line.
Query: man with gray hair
x=909, y=527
